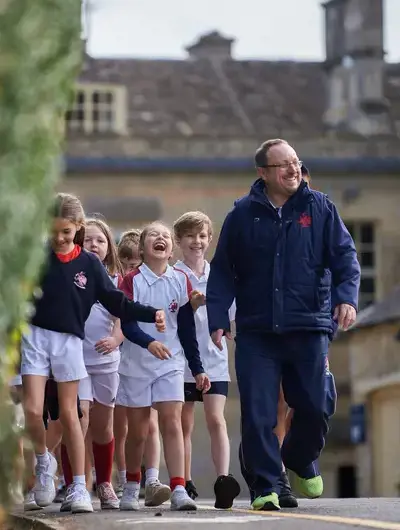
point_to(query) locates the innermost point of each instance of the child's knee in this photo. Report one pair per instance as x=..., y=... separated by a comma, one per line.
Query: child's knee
x=215, y=421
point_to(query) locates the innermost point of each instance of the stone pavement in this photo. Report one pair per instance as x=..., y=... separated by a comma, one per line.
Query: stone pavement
x=321, y=514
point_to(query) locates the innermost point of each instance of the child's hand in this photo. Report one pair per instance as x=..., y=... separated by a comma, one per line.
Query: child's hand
x=203, y=383
x=160, y=321
x=106, y=345
x=197, y=299
x=159, y=350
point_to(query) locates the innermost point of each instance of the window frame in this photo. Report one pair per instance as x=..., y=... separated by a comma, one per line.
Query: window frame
x=88, y=125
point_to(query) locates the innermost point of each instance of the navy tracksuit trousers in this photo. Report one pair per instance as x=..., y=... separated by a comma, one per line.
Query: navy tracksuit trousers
x=298, y=359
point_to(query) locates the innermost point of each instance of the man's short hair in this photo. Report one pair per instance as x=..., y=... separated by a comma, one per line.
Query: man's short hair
x=192, y=221
x=261, y=156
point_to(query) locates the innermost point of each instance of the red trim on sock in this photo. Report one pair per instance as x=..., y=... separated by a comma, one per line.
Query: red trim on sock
x=134, y=477
x=66, y=465
x=176, y=481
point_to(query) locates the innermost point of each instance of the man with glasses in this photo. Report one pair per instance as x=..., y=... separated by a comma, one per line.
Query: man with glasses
x=281, y=249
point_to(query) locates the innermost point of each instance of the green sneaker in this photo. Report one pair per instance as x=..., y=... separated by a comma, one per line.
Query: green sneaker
x=268, y=503
x=312, y=488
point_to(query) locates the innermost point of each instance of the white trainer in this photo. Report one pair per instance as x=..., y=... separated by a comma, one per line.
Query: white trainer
x=45, y=489
x=30, y=503
x=79, y=499
x=180, y=500
x=156, y=493
x=130, y=498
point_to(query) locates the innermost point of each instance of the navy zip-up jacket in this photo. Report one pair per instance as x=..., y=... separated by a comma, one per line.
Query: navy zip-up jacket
x=281, y=270
x=70, y=289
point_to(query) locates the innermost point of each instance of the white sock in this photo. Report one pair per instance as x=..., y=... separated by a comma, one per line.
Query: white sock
x=133, y=486
x=122, y=476
x=43, y=459
x=151, y=475
x=79, y=479
x=179, y=488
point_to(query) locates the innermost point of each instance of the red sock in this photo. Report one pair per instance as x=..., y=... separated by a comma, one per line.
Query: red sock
x=134, y=477
x=176, y=481
x=103, y=455
x=66, y=465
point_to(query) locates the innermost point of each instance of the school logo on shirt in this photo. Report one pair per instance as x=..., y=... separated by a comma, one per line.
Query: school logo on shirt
x=80, y=280
x=173, y=306
x=305, y=220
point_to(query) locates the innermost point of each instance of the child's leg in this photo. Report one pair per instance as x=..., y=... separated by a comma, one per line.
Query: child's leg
x=72, y=430
x=280, y=429
x=187, y=429
x=104, y=390
x=78, y=499
x=54, y=435
x=168, y=397
x=214, y=406
x=89, y=478
x=152, y=450
x=120, y=434
x=33, y=399
x=170, y=414
x=138, y=428
x=155, y=492
x=46, y=466
x=226, y=487
x=288, y=422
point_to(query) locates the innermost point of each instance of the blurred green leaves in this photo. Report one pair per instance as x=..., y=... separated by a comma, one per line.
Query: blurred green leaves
x=40, y=56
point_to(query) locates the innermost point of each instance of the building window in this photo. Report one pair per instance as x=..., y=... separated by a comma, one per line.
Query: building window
x=98, y=109
x=363, y=234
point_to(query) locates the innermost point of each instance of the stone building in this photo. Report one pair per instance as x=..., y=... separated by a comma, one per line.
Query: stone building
x=151, y=139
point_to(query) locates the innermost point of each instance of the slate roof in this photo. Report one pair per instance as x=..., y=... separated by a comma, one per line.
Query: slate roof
x=232, y=99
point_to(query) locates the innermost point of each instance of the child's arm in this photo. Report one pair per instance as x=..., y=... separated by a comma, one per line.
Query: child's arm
x=135, y=334
x=111, y=343
x=118, y=304
x=188, y=339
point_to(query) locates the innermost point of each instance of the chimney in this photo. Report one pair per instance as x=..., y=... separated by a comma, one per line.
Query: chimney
x=212, y=46
x=355, y=66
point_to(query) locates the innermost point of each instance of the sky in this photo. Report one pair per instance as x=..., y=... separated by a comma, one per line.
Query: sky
x=263, y=29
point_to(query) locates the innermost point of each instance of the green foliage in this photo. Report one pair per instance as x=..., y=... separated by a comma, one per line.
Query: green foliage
x=40, y=54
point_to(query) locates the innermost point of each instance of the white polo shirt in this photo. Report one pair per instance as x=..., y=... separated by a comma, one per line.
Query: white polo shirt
x=215, y=362
x=169, y=292
x=99, y=325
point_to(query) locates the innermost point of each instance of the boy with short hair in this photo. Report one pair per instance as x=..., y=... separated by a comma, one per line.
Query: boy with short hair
x=193, y=234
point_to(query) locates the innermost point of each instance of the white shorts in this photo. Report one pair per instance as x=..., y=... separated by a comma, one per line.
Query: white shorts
x=138, y=392
x=100, y=387
x=43, y=351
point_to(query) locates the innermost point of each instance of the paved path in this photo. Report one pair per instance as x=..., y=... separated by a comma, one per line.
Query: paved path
x=321, y=514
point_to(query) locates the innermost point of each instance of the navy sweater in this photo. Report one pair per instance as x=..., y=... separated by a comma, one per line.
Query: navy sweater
x=70, y=289
x=186, y=334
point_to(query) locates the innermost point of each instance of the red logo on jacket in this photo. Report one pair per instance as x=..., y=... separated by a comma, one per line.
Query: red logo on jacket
x=305, y=220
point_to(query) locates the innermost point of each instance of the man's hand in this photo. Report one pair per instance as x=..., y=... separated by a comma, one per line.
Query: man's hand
x=203, y=383
x=160, y=321
x=216, y=337
x=159, y=350
x=345, y=315
x=106, y=345
x=197, y=299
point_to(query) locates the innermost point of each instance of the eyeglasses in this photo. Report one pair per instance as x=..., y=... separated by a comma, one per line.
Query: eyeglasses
x=286, y=165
